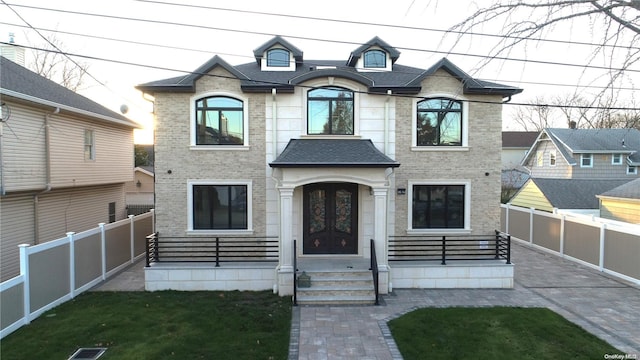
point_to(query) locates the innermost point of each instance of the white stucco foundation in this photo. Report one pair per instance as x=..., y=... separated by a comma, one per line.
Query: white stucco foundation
x=186, y=277
x=452, y=276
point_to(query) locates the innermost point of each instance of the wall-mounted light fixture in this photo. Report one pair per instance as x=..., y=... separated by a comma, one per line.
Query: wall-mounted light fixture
x=138, y=184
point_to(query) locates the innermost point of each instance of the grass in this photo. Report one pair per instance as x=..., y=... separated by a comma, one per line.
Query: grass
x=159, y=325
x=493, y=333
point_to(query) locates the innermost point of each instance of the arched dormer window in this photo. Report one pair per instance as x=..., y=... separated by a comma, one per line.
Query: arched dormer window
x=278, y=58
x=219, y=121
x=376, y=59
x=330, y=111
x=439, y=122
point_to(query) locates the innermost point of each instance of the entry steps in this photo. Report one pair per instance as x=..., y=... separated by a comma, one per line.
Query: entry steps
x=337, y=287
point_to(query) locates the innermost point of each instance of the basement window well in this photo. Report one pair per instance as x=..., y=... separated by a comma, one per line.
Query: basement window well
x=87, y=353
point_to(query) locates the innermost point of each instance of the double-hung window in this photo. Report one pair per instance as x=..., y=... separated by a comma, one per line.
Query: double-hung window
x=552, y=158
x=616, y=159
x=219, y=121
x=220, y=206
x=439, y=122
x=586, y=160
x=89, y=145
x=438, y=206
x=330, y=111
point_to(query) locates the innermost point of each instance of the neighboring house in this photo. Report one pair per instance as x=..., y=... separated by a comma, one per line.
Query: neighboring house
x=602, y=158
x=331, y=153
x=515, y=146
x=139, y=193
x=622, y=203
x=564, y=195
x=64, y=162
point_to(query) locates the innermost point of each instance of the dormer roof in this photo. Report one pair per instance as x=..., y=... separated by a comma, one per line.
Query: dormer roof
x=394, y=54
x=258, y=53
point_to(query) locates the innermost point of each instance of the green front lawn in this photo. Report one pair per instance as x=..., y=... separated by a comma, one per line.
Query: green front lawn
x=493, y=333
x=159, y=325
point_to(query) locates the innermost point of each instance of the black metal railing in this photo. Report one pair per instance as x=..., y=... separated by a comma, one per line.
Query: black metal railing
x=450, y=248
x=295, y=273
x=375, y=272
x=212, y=249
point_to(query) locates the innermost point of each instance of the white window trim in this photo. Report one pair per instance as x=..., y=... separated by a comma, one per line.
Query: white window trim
x=247, y=231
x=585, y=156
x=360, y=63
x=332, y=81
x=467, y=207
x=92, y=153
x=192, y=119
x=465, y=124
x=263, y=62
x=553, y=155
x=613, y=159
x=634, y=172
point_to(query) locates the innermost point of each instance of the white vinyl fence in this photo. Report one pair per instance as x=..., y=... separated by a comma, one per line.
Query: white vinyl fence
x=54, y=272
x=612, y=247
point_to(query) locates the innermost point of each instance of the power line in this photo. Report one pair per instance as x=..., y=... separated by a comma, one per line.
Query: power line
x=274, y=83
x=395, y=26
x=250, y=57
x=162, y=22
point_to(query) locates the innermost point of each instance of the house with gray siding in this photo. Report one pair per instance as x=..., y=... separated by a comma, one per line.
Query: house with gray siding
x=64, y=162
x=581, y=163
x=331, y=160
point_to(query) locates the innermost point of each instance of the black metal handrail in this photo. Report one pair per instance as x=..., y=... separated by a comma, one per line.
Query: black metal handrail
x=374, y=271
x=450, y=248
x=295, y=274
x=212, y=249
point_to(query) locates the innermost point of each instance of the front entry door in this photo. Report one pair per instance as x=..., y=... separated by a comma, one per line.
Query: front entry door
x=330, y=218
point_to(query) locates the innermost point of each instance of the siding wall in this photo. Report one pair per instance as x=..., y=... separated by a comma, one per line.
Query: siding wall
x=562, y=169
x=16, y=227
x=620, y=209
x=531, y=196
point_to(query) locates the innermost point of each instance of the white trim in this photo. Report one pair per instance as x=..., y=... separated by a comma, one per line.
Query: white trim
x=465, y=123
x=634, y=172
x=192, y=121
x=191, y=231
x=553, y=155
x=613, y=158
x=467, y=207
x=584, y=156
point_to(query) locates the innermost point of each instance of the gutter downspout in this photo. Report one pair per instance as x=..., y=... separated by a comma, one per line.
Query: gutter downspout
x=386, y=123
x=2, y=190
x=47, y=157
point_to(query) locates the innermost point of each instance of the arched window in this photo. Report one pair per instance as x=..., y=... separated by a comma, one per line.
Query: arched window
x=330, y=111
x=278, y=58
x=439, y=122
x=375, y=59
x=219, y=121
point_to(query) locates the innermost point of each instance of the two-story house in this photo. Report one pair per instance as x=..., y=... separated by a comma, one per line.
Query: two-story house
x=64, y=162
x=569, y=167
x=328, y=154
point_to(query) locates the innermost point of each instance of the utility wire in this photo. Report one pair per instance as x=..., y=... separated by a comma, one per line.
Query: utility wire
x=394, y=26
x=162, y=22
x=252, y=58
x=274, y=83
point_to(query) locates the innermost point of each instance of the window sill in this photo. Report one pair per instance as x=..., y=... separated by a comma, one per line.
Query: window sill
x=219, y=232
x=438, y=231
x=440, y=148
x=330, y=136
x=219, y=147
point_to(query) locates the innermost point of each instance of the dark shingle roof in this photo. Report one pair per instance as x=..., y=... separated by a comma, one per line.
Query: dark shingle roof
x=20, y=82
x=519, y=139
x=401, y=80
x=594, y=141
x=630, y=190
x=575, y=193
x=332, y=153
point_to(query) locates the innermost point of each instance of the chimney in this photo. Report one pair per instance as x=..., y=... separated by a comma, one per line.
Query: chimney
x=13, y=52
x=572, y=124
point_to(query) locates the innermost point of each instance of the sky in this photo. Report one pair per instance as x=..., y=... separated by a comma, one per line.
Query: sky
x=130, y=42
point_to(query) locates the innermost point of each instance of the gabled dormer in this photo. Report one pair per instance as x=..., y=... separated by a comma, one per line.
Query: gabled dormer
x=278, y=54
x=375, y=55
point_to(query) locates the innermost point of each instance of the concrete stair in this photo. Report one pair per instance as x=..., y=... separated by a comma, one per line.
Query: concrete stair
x=343, y=287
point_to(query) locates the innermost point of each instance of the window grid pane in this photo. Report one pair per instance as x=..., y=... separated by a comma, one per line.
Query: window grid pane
x=439, y=122
x=219, y=207
x=330, y=111
x=375, y=59
x=438, y=206
x=278, y=58
x=219, y=121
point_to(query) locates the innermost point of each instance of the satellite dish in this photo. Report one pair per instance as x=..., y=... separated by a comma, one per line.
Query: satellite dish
x=124, y=108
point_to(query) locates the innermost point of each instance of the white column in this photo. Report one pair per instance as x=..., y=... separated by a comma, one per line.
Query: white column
x=286, y=229
x=380, y=225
